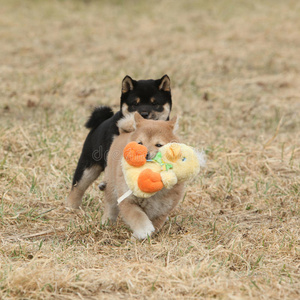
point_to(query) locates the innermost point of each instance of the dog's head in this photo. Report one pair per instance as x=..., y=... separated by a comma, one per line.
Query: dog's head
x=153, y=134
x=151, y=98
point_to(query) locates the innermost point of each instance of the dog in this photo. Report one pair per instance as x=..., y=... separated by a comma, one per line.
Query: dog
x=144, y=216
x=151, y=98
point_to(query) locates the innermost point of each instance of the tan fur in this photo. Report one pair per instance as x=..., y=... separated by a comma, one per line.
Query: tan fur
x=126, y=124
x=142, y=215
x=165, y=85
x=75, y=197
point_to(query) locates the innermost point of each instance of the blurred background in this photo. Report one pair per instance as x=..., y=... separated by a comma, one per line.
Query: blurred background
x=235, y=78
x=70, y=55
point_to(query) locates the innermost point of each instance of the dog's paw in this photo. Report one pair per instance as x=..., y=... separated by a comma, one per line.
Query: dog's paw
x=144, y=232
x=108, y=220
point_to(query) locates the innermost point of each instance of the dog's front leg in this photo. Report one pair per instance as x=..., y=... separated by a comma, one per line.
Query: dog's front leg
x=136, y=218
x=111, y=209
x=159, y=222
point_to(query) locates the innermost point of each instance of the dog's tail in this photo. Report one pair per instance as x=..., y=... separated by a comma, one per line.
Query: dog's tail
x=98, y=116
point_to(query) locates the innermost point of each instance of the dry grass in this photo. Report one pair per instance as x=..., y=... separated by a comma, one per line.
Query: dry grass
x=234, y=67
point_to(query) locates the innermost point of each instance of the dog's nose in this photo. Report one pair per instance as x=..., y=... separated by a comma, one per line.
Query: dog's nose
x=144, y=114
x=148, y=155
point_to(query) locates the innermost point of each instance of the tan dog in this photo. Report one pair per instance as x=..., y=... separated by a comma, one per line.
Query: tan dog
x=144, y=216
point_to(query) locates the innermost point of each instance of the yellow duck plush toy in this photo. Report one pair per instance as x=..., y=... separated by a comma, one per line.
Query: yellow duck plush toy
x=174, y=163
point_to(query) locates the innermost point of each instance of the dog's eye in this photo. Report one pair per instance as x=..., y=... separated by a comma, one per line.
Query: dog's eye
x=154, y=103
x=158, y=145
x=140, y=143
x=135, y=104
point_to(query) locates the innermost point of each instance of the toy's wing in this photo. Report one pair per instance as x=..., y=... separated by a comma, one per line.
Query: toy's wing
x=135, y=154
x=149, y=181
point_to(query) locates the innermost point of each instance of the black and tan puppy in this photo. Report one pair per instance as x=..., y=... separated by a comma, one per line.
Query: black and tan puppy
x=151, y=98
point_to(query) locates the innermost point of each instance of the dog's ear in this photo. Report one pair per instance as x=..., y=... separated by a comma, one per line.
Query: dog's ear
x=127, y=84
x=174, y=123
x=165, y=84
x=127, y=124
x=138, y=119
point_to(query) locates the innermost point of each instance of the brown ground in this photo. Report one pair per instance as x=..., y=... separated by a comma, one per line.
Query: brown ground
x=234, y=67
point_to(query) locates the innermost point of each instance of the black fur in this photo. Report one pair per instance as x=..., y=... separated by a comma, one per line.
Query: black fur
x=145, y=91
x=151, y=98
x=99, y=115
x=96, y=145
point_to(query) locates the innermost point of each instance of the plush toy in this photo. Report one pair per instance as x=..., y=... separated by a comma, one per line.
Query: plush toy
x=174, y=163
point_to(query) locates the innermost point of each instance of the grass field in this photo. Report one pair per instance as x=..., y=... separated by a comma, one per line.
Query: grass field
x=235, y=74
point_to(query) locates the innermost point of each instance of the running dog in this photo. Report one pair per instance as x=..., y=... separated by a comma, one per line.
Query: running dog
x=151, y=98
